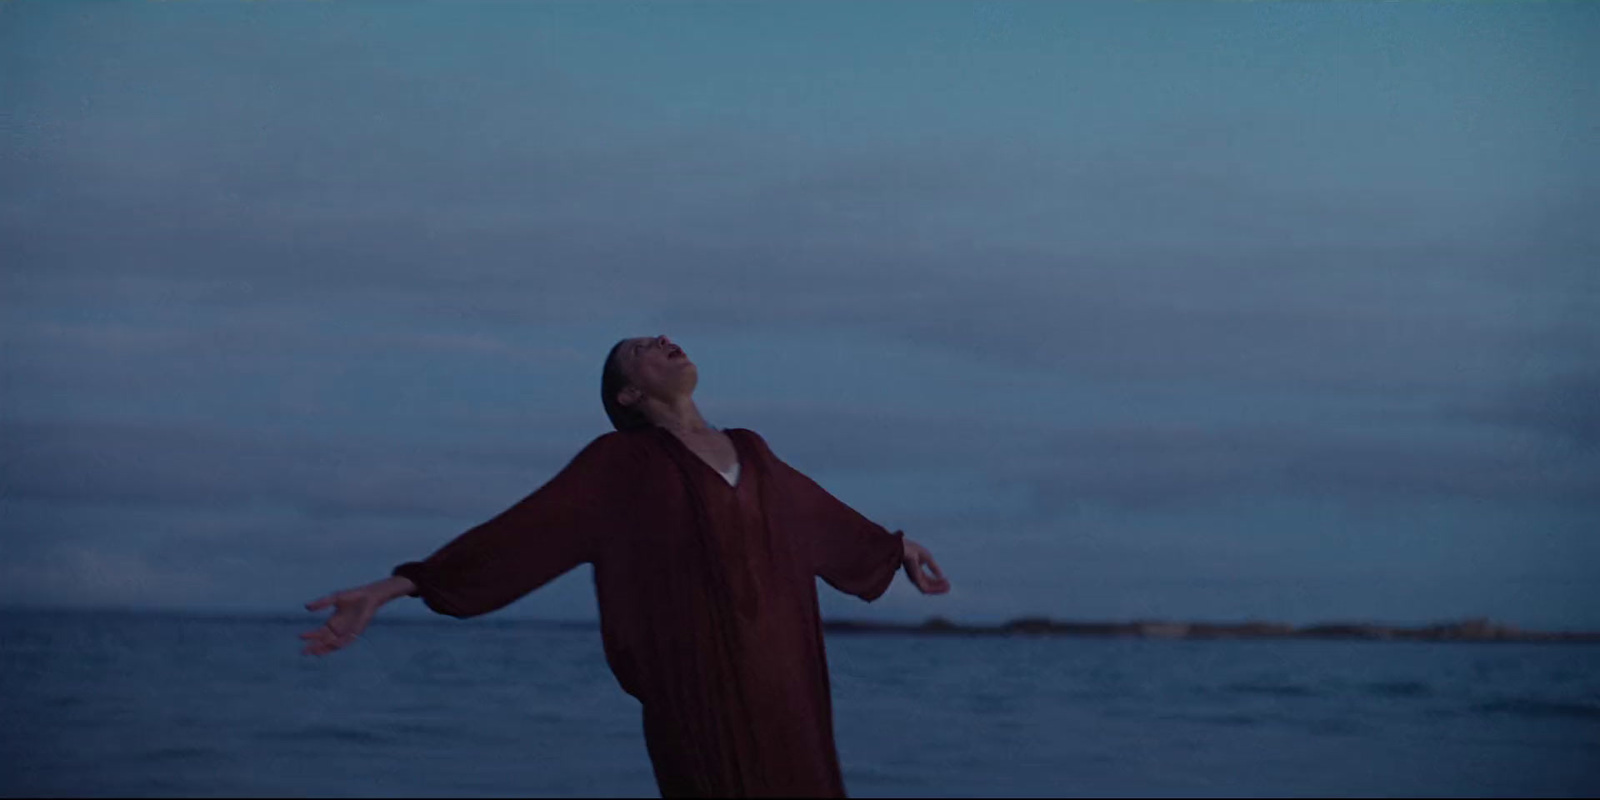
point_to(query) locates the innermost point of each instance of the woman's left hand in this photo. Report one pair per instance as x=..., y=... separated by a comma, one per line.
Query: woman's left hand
x=915, y=560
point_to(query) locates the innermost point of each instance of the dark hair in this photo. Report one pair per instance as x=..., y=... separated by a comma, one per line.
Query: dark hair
x=612, y=381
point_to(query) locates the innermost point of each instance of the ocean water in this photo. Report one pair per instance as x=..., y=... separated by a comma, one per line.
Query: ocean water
x=145, y=704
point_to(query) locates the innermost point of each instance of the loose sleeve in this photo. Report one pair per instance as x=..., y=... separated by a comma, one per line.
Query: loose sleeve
x=852, y=553
x=559, y=526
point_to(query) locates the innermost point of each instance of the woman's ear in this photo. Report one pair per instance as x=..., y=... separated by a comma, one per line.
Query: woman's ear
x=628, y=396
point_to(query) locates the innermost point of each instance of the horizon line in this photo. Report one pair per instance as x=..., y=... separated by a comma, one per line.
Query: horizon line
x=426, y=617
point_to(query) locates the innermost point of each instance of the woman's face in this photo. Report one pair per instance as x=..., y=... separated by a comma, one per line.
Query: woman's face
x=655, y=365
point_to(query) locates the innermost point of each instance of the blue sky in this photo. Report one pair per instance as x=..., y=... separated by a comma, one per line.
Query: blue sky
x=1211, y=311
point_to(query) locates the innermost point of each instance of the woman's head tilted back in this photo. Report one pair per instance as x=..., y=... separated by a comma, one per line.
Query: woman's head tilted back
x=612, y=382
x=639, y=370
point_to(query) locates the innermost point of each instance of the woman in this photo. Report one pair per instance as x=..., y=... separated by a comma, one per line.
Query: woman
x=706, y=548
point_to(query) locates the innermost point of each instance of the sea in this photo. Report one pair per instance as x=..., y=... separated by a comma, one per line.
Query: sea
x=134, y=704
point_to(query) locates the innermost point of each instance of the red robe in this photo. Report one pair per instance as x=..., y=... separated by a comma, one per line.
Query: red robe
x=707, y=596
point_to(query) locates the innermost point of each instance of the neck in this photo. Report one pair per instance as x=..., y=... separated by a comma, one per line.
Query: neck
x=679, y=415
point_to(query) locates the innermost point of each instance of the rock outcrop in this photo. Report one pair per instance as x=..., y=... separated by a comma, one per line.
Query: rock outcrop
x=1471, y=630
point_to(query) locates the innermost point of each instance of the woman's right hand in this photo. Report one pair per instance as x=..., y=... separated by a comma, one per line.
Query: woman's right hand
x=353, y=609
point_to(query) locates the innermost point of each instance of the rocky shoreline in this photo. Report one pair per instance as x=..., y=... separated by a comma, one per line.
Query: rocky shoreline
x=1472, y=630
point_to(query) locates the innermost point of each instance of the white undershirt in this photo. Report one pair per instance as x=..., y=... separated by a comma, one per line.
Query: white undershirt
x=732, y=475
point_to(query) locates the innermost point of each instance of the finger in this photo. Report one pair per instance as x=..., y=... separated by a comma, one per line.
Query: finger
x=326, y=634
x=319, y=603
x=338, y=643
x=928, y=584
x=322, y=647
x=318, y=641
x=920, y=580
x=934, y=567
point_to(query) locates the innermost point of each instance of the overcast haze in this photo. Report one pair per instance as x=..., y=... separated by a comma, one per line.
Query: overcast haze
x=1185, y=311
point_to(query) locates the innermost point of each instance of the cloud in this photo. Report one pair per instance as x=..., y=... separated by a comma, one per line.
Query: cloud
x=271, y=288
x=1563, y=407
x=1164, y=465
x=1145, y=262
x=188, y=466
x=76, y=574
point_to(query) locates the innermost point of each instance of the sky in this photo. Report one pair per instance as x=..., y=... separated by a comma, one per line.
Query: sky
x=1125, y=311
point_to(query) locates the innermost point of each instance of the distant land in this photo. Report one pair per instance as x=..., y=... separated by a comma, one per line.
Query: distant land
x=1471, y=630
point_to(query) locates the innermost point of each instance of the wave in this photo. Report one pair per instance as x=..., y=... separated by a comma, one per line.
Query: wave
x=178, y=753
x=1398, y=689
x=1233, y=720
x=1274, y=689
x=1542, y=709
x=329, y=733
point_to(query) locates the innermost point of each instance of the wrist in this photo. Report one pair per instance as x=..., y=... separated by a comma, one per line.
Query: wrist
x=393, y=587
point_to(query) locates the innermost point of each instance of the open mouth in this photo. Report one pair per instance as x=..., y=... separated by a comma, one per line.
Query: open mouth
x=675, y=352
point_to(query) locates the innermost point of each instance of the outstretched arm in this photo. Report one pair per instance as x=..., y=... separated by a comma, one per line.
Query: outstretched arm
x=547, y=533
x=852, y=553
